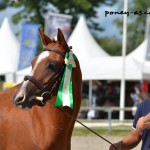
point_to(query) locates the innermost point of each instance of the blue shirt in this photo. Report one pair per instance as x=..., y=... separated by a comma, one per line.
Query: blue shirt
x=142, y=110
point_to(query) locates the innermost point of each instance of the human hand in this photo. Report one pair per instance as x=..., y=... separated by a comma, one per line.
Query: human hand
x=115, y=146
x=142, y=124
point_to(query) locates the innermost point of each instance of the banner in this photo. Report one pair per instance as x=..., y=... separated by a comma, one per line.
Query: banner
x=29, y=42
x=54, y=21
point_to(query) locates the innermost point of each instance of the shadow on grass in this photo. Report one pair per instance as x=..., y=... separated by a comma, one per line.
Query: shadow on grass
x=117, y=131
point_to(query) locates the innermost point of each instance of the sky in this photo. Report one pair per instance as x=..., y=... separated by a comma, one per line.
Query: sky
x=105, y=22
x=8, y=12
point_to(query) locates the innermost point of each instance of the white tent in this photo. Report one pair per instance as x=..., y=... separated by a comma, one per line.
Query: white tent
x=96, y=64
x=110, y=68
x=87, y=50
x=83, y=43
x=21, y=73
x=139, y=57
x=139, y=53
x=9, y=49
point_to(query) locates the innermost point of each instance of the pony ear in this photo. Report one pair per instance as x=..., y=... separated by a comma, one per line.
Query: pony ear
x=45, y=39
x=61, y=40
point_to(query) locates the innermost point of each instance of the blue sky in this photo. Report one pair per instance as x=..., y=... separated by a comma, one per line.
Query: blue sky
x=8, y=12
x=105, y=22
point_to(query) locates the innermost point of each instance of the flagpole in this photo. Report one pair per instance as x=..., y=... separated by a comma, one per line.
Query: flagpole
x=124, y=46
x=147, y=24
x=90, y=93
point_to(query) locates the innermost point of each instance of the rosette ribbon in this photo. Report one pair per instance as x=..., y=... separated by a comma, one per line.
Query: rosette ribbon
x=65, y=91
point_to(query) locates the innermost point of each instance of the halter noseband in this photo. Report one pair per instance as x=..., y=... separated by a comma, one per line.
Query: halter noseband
x=55, y=79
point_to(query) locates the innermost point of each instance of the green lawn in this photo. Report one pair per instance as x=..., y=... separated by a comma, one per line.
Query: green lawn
x=117, y=131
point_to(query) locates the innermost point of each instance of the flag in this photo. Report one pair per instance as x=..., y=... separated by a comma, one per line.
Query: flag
x=29, y=42
x=54, y=21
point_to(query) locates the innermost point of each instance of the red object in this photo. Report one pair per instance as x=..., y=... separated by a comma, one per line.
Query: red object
x=145, y=86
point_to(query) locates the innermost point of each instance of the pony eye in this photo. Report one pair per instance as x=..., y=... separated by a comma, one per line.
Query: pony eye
x=52, y=66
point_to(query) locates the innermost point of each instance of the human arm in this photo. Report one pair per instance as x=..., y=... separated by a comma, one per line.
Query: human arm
x=128, y=142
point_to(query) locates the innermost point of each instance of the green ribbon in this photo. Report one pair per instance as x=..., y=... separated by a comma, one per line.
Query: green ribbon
x=65, y=91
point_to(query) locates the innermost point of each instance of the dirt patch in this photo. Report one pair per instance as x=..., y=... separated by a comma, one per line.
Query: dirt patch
x=94, y=143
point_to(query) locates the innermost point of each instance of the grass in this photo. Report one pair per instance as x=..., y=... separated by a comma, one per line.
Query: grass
x=117, y=131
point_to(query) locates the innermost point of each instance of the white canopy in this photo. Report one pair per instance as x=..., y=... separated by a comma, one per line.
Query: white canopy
x=21, y=73
x=139, y=53
x=95, y=63
x=110, y=68
x=139, y=56
x=9, y=49
x=83, y=43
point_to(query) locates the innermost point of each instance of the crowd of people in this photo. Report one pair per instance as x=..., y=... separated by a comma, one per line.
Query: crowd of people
x=107, y=94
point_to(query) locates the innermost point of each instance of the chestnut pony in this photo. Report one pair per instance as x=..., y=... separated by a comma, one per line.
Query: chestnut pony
x=28, y=124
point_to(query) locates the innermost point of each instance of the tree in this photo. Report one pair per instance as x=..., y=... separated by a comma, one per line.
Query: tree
x=136, y=23
x=34, y=11
x=111, y=45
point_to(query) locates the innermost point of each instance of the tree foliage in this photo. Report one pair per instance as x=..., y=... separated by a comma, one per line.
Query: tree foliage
x=34, y=11
x=112, y=45
x=136, y=23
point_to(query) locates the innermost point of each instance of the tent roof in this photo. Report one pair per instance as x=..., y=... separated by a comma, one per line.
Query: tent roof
x=139, y=56
x=9, y=49
x=110, y=68
x=139, y=53
x=83, y=43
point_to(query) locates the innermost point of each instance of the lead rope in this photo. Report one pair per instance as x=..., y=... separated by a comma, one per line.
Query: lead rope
x=70, y=116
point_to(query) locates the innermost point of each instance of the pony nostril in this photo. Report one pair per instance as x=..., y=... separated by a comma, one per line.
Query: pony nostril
x=19, y=99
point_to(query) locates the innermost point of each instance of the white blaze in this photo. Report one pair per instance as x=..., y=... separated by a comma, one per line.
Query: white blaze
x=42, y=56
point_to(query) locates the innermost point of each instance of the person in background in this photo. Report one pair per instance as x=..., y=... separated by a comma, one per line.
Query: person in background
x=136, y=98
x=139, y=130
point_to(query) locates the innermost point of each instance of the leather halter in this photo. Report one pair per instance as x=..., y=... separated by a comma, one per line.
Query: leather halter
x=55, y=79
x=54, y=50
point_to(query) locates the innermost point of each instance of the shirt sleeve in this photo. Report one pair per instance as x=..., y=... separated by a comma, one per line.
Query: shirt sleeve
x=137, y=115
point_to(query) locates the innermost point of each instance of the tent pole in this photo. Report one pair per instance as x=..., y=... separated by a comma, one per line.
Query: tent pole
x=90, y=93
x=124, y=45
